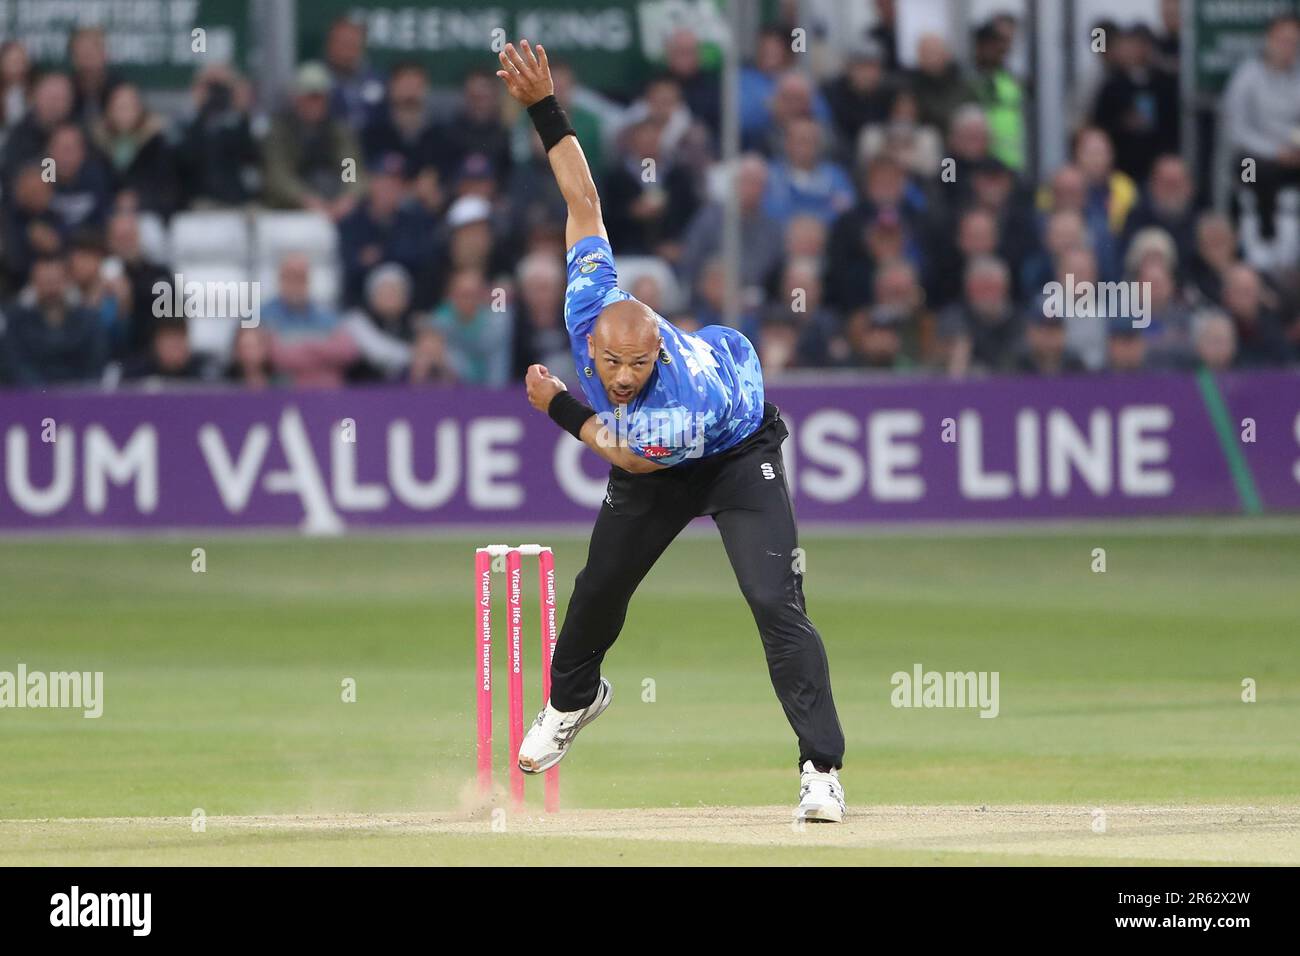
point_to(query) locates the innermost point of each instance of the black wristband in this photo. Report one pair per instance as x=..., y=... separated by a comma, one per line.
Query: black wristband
x=569, y=413
x=550, y=122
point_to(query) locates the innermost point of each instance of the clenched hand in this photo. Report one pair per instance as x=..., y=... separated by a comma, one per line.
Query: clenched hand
x=542, y=387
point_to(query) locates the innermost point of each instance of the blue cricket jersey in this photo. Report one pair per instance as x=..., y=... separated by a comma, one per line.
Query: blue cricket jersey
x=705, y=394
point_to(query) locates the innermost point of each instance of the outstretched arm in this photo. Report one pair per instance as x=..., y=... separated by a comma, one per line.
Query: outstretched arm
x=527, y=76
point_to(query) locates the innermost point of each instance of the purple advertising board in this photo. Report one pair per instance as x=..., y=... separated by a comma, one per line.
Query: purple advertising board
x=897, y=450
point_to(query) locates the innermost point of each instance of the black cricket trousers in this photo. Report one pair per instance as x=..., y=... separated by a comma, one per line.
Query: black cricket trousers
x=744, y=490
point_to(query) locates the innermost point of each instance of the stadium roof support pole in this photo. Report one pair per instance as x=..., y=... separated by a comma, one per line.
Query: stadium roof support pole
x=1049, y=39
x=276, y=28
x=730, y=151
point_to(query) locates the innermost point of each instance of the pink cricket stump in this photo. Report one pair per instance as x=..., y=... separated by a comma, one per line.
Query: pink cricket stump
x=483, y=665
x=546, y=615
x=514, y=574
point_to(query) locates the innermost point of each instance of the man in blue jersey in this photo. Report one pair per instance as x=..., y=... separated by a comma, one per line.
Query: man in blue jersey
x=682, y=421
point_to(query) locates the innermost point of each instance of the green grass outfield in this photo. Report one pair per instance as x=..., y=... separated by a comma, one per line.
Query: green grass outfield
x=223, y=693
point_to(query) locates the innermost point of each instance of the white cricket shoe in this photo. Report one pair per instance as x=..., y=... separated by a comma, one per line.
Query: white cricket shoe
x=821, y=796
x=548, y=739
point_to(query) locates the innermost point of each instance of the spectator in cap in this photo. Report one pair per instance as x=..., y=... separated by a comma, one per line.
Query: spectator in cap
x=471, y=237
x=357, y=88
x=305, y=151
x=1151, y=244
x=884, y=225
x=387, y=226
x=898, y=300
x=404, y=125
x=1137, y=105
x=1044, y=351
x=862, y=95
x=1126, y=346
x=874, y=342
x=476, y=177
x=477, y=127
x=995, y=188
x=1000, y=94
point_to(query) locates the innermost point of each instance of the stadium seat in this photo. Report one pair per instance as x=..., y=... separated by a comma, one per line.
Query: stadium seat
x=277, y=233
x=213, y=335
x=211, y=236
x=153, y=237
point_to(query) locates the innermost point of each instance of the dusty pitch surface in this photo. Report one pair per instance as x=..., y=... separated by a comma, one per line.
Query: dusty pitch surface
x=1232, y=835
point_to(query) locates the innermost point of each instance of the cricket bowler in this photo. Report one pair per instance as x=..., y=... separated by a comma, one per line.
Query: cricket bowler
x=682, y=421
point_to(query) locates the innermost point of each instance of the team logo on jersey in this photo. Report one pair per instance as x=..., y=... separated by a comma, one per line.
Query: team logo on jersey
x=587, y=268
x=665, y=357
x=587, y=371
x=655, y=451
x=768, y=471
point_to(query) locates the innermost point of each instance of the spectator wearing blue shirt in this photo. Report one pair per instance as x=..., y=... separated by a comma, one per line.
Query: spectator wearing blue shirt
x=387, y=226
x=804, y=182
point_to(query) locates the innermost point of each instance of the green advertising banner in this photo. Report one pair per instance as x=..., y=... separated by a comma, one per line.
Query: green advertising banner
x=1228, y=32
x=150, y=42
x=612, y=44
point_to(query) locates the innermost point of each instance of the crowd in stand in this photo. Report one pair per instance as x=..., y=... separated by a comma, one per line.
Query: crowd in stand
x=887, y=217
